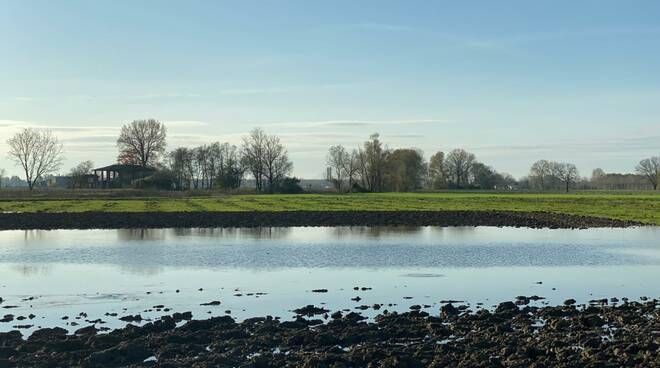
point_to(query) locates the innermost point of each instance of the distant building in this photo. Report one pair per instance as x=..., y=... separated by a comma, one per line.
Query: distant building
x=87, y=181
x=309, y=185
x=53, y=181
x=14, y=182
x=120, y=176
x=58, y=181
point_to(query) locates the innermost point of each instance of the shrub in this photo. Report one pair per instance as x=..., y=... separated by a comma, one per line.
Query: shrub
x=161, y=179
x=288, y=186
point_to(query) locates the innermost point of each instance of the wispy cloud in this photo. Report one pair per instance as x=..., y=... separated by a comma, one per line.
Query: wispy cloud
x=13, y=123
x=527, y=38
x=63, y=127
x=508, y=44
x=184, y=123
x=358, y=123
x=287, y=88
x=172, y=97
x=52, y=126
x=378, y=27
x=581, y=147
x=468, y=42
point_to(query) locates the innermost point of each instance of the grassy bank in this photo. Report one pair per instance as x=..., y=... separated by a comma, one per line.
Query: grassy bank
x=642, y=207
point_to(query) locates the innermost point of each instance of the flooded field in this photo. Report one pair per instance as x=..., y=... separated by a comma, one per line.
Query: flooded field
x=73, y=278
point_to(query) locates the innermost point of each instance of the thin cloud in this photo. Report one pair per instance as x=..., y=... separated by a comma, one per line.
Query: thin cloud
x=13, y=123
x=479, y=44
x=184, y=96
x=578, y=33
x=378, y=27
x=39, y=125
x=404, y=136
x=601, y=147
x=505, y=44
x=91, y=139
x=184, y=123
x=286, y=89
x=358, y=123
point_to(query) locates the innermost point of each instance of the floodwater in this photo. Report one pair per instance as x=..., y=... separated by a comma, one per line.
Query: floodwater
x=56, y=275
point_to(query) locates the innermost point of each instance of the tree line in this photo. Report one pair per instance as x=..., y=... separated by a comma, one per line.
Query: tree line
x=144, y=142
x=373, y=167
x=223, y=165
x=216, y=165
x=370, y=167
x=551, y=175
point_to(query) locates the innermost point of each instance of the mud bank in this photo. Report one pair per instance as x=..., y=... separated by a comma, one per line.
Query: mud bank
x=508, y=336
x=122, y=220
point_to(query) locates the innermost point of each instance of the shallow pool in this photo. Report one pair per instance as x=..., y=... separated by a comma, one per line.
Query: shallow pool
x=270, y=271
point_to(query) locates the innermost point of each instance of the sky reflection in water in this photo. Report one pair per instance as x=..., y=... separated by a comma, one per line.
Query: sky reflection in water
x=103, y=271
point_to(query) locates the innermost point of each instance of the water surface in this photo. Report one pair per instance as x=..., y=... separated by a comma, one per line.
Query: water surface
x=269, y=271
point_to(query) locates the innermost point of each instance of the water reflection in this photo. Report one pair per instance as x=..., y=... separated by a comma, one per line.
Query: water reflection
x=31, y=269
x=375, y=232
x=150, y=251
x=238, y=233
x=265, y=233
x=235, y=233
x=129, y=271
x=141, y=270
x=28, y=237
x=141, y=234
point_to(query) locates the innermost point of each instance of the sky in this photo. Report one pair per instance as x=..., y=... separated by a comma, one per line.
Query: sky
x=511, y=81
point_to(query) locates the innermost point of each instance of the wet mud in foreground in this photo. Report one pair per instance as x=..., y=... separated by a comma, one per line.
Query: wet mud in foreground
x=122, y=220
x=508, y=336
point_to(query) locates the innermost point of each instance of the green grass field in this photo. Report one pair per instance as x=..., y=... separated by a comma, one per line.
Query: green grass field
x=642, y=207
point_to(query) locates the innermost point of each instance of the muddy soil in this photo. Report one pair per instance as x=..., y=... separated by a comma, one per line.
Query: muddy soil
x=121, y=220
x=511, y=335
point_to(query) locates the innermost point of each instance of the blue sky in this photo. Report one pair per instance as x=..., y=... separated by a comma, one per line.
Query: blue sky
x=511, y=81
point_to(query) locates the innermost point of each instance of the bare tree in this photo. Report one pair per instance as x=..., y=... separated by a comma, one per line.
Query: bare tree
x=192, y=170
x=180, y=161
x=436, y=171
x=352, y=168
x=266, y=158
x=363, y=168
x=142, y=142
x=78, y=173
x=39, y=153
x=2, y=175
x=597, y=174
x=253, y=150
x=650, y=169
x=566, y=173
x=336, y=160
x=214, y=162
x=276, y=162
x=555, y=172
x=373, y=159
x=458, y=163
x=229, y=172
x=539, y=173
x=201, y=164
